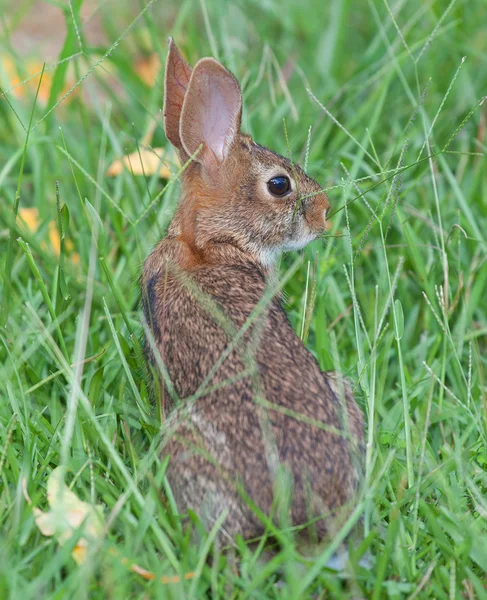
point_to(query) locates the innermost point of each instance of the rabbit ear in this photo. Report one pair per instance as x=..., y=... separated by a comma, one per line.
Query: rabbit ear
x=178, y=74
x=211, y=113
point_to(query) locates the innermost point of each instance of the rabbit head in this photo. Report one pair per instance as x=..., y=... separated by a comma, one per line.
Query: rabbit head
x=234, y=191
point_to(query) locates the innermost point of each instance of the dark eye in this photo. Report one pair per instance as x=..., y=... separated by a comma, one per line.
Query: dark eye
x=279, y=186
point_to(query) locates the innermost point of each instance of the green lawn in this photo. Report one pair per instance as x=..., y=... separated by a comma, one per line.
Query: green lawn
x=377, y=100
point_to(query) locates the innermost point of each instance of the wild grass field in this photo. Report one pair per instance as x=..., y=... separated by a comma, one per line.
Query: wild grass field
x=382, y=101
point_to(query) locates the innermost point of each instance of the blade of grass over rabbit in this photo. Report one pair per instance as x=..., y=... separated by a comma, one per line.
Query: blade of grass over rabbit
x=259, y=308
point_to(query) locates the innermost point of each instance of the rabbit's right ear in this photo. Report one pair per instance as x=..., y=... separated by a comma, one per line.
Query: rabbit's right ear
x=178, y=74
x=212, y=110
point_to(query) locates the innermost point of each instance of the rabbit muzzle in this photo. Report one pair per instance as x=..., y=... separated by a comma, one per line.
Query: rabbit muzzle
x=315, y=213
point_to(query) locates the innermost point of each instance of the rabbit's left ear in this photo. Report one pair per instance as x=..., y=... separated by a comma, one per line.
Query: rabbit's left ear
x=178, y=74
x=211, y=113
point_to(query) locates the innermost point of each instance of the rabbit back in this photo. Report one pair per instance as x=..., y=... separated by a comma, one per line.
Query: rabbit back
x=270, y=409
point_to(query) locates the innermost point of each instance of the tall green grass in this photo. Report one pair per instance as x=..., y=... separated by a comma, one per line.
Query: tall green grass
x=395, y=296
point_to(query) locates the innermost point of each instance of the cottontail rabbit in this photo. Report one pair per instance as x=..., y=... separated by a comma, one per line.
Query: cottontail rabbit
x=266, y=408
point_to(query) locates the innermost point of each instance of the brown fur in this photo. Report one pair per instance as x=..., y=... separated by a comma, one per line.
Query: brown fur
x=270, y=409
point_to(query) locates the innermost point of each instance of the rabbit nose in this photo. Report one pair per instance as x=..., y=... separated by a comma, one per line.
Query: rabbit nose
x=316, y=213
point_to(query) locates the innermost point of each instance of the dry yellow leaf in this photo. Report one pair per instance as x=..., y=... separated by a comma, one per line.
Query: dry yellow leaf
x=67, y=513
x=148, y=162
x=75, y=512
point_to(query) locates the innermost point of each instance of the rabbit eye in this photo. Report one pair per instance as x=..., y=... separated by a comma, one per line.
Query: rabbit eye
x=279, y=186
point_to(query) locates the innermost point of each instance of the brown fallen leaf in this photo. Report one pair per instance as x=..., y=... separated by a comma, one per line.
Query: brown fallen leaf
x=149, y=575
x=149, y=161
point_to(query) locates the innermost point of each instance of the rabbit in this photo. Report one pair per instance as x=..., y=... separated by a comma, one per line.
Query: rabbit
x=271, y=439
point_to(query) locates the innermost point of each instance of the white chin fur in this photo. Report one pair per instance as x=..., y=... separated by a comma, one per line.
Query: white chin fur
x=303, y=241
x=268, y=256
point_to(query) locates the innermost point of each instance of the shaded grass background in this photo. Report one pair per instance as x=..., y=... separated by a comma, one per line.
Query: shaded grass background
x=397, y=290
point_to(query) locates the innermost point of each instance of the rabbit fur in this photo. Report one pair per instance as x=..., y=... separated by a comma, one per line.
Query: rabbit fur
x=270, y=437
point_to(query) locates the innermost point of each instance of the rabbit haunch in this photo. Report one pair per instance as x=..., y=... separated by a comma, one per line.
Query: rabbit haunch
x=267, y=408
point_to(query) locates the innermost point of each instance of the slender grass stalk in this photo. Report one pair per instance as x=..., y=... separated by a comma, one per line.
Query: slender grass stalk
x=45, y=294
x=7, y=270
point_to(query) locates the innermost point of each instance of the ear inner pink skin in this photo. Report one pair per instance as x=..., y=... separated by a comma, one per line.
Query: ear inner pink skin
x=211, y=112
x=178, y=74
